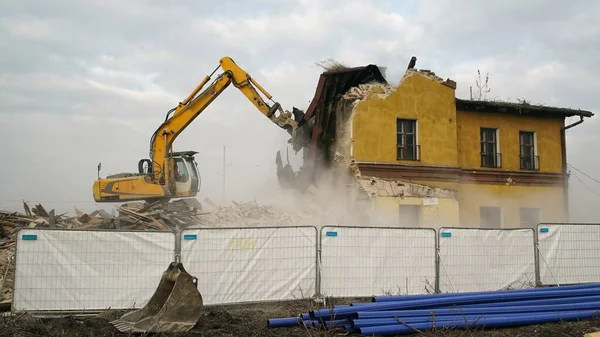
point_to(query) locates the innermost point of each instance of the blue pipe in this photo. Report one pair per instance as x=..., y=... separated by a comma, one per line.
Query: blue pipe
x=336, y=323
x=482, y=310
x=425, y=296
x=435, y=302
x=513, y=302
x=359, y=323
x=284, y=322
x=544, y=301
x=399, y=329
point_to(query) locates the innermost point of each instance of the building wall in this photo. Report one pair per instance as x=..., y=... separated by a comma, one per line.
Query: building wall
x=550, y=201
x=444, y=213
x=417, y=97
x=547, y=136
x=450, y=140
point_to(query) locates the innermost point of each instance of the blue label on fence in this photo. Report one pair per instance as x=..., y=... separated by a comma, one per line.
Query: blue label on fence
x=446, y=234
x=190, y=236
x=544, y=230
x=331, y=234
x=29, y=237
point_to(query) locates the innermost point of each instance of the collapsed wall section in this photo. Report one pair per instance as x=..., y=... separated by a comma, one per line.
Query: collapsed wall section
x=332, y=134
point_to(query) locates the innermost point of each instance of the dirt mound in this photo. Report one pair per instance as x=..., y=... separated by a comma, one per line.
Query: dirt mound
x=251, y=321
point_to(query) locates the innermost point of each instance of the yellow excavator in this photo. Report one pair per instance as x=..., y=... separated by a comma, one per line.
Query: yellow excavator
x=176, y=305
x=167, y=174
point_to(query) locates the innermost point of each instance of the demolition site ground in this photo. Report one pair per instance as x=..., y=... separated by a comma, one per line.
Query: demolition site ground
x=251, y=320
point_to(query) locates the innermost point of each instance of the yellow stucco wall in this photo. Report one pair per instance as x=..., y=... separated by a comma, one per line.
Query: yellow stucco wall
x=452, y=138
x=417, y=97
x=445, y=213
x=547, y=134
x=470, y=197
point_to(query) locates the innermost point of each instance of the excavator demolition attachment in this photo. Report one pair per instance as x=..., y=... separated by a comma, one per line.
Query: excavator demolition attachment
x=175, y=306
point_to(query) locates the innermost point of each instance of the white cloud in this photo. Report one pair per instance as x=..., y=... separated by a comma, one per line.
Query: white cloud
x=88, y=82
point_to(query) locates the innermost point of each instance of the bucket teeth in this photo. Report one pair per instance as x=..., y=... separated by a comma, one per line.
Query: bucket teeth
x=175, y=306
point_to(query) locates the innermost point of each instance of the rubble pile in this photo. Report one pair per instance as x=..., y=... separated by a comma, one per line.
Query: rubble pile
x=362, y=91
x=174, y=216
x=251, y=214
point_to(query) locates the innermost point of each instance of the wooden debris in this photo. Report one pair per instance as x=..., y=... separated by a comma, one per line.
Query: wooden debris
x=174, y=216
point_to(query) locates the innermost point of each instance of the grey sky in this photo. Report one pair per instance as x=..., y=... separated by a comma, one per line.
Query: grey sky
x=89, y=81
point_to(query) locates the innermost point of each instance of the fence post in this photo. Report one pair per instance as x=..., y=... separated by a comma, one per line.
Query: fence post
x=318, y=296
x=536, y=252
x=177, y=249
x=437, y=261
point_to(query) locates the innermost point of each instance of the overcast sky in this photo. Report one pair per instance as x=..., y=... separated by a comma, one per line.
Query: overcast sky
x=89, y=81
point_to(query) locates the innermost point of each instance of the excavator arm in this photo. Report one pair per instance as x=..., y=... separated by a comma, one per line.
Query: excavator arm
x=159, y=180
x=195, y=103
x=176, y=305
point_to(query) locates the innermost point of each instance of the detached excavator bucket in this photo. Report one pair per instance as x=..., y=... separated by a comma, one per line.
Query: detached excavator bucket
x=175, y=306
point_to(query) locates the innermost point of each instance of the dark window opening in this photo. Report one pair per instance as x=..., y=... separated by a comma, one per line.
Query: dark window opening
x=489, y=148
x=406, y=140
x=490, y=217
x=529, y=161
x=530, y=217
x=409, y=216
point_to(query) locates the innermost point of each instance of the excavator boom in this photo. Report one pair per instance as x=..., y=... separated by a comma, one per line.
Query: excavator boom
x=177, y=303
x=167, y=174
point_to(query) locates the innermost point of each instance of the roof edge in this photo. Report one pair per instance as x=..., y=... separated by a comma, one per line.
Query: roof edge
x=519, y=108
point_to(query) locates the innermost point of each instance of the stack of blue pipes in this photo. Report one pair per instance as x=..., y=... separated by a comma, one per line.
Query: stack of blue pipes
x=401, y=315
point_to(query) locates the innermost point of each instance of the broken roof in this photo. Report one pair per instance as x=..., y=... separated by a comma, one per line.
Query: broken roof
x=519, y=108
x=337, y=82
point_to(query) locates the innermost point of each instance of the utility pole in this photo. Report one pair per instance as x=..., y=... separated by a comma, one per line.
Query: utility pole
x=224, y=175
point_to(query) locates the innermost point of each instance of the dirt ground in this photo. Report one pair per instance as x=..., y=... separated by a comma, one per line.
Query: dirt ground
x=251, y=321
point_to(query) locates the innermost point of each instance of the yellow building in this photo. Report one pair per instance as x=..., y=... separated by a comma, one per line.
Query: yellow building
x=425, y=158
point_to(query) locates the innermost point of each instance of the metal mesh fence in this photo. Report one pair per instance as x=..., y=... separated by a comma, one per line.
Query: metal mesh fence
x=235, y=265
x=474, y=259
x=88, y=270
x=62, y=270
x=568, y=253
x=371, y=261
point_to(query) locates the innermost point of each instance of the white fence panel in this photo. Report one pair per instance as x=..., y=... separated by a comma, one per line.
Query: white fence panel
x=88, y=270
x=569, y=253
x=481, y=259
x=235, y=265
x=372, y=261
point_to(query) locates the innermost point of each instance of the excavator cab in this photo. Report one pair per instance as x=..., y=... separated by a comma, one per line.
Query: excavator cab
x=186, y=176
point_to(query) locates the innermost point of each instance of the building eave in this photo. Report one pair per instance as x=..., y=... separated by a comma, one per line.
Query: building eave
x=520, y=109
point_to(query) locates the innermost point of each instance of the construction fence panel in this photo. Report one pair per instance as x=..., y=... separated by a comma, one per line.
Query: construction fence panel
x=372, y=261
x=482, y=259
x=81, y=270
x=569, y=253
x=236, y=265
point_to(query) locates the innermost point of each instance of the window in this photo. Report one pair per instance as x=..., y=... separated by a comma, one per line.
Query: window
x=530, y=217
x=181, y=174
x=489, y=148
x=409, y=216
x=406, y=133
x=490, y=217
x=529, y=159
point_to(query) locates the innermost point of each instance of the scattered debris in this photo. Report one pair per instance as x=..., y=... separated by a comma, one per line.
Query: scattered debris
x=174, y=216
x=362, y=91
x=251, y=214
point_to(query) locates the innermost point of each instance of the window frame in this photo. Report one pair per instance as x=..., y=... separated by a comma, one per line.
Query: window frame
x=528, y=161
x=401, y=142
x=496, y=156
